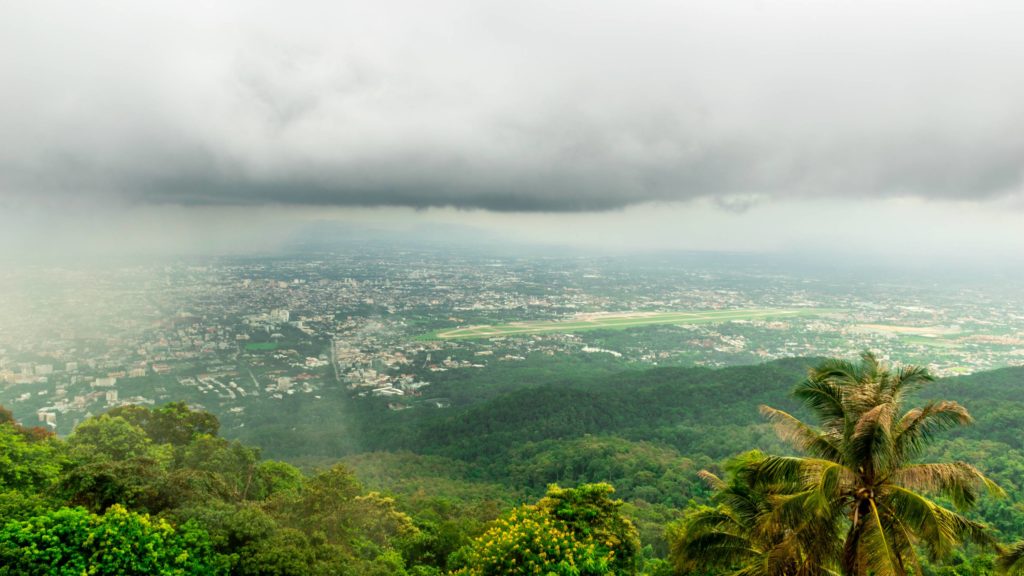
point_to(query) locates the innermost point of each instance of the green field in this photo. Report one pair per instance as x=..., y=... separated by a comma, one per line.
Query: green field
x=620, y=321
x=931, y=342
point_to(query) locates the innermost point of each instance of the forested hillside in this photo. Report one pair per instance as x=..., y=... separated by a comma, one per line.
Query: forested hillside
x=429, y=489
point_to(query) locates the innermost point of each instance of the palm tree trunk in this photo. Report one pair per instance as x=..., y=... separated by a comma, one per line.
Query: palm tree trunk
x=851, y=564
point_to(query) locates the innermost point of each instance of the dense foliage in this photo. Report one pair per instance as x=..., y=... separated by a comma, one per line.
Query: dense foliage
x=570, y=532
x=72, y=541
x=140, y=491
x=421, y=491
x=856, y=500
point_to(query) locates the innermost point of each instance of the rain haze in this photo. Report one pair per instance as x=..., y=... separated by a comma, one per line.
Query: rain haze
x=482, y=288
x=764, y=126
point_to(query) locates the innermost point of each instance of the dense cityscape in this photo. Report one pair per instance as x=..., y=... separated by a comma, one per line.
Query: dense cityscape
x=233, y=334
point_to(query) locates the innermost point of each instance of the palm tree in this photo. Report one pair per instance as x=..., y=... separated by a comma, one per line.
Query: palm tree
x=859, y=471
x=1011, y=560
x=745, y=534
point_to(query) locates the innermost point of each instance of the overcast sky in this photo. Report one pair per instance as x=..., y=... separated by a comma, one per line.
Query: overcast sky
x=714, y=124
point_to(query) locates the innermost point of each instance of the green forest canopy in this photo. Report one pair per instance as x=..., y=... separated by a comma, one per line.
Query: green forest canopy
x=428, y=488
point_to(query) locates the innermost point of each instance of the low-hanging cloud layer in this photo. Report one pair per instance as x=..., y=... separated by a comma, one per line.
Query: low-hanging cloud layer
x=525, y=106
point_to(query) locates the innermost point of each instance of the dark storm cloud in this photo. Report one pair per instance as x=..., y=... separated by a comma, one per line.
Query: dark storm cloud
x=530, y=106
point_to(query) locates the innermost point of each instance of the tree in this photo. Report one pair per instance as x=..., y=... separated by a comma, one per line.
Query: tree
x=591, y=514
x=114, y=462
x=860, y=473
x=745, y=534
x=570, y=532
x=173, y=423
x=109, y=438
x=71, y=541
x=528, y=541
x=164, y=458
x=27, y=462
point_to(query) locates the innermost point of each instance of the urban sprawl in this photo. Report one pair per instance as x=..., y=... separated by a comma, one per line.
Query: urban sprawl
x=233, y=334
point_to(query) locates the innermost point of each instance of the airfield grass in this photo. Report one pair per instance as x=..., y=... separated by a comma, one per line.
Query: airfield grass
x=622, y=321
x=931, y=342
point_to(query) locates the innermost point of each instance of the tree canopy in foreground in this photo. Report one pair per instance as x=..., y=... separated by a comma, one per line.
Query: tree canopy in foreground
x=157, y=490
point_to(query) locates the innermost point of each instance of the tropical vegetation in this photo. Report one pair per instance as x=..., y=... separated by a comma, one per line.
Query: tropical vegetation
x=866, y=469
x=857, y=500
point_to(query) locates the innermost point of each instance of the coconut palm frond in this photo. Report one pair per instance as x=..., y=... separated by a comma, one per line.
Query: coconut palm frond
x=801, y=436
x=776, y=471
x=1011, y=560
x=712, y=537
x=936, y=528
x=919, y=425
x=824, y=396
x=959, y=481
x=713, y=549
x=871, y=442
x=905, y=541
x=879, y=545
x=713, y=482
x=910, y=378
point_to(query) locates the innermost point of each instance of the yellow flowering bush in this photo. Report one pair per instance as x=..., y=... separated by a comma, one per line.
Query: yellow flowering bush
x=570, y=532
x=530, y=542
